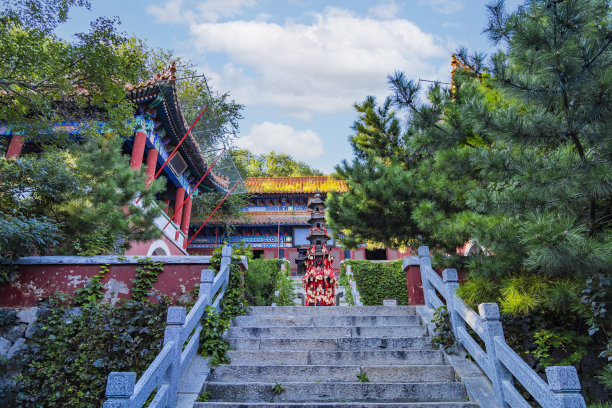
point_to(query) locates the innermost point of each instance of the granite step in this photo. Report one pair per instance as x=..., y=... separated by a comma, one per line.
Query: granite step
x=363, y=357
x=302, y=332
x=332, y=373
x=218, y=404
x=324, y=321
x=337, y=392
x=331, y=344
x=332, y=311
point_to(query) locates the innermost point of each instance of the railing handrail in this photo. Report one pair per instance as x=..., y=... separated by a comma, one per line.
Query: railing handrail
x=499, y=362
x=164, y=373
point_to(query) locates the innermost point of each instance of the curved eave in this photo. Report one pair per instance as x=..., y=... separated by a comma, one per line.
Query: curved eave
x=171, y=116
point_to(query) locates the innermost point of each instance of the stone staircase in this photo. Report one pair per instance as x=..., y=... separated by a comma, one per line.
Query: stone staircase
x=313, y=357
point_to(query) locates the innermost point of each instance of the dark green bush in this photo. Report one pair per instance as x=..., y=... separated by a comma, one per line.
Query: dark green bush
x=379, y=280
x=68, y=360
x=262, y=279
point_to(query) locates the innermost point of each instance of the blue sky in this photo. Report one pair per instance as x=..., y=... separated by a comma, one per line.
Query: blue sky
x=298, y=66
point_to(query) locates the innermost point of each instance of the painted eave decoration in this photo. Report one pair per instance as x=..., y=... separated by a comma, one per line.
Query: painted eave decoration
x=321, y=184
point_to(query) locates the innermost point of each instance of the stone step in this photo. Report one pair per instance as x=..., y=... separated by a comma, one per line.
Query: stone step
x=332, y=310
x=336, y=405
x=328, y=332
x=332, y=344
x=364, y=357
x=319, y=373
x=338, y=392
x=324, y=321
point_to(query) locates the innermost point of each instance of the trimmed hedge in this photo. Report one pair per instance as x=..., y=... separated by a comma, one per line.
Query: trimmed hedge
x=379, y=280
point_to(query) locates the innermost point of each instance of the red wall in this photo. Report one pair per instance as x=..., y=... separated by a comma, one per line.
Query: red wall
x=31, y=283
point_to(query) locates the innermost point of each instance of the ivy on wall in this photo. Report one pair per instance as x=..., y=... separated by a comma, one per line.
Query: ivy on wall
x=379, y=280
x=69, y=358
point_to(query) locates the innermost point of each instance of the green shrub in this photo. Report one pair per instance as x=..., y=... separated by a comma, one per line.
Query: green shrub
x=284, y=286
x=263, y=278
x=68, y=360
x=379, y=280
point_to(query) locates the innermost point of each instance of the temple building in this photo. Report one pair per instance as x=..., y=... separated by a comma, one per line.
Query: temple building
x=159, y=125
x=277, y=225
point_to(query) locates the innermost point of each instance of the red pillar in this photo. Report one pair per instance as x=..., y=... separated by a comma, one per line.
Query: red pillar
x=15, y=146
x=140, y=139
x=166, y=201
x=180, y=197
x=186, y=219
x=151, y=164
x=414, y=285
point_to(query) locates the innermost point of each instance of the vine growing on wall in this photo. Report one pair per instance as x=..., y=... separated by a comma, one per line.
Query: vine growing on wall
x=93, y=291
x=146, y=276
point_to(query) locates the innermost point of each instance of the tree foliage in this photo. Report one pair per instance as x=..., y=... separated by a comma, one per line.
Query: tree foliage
x=59, y=196
x=270, y=165
x=514, y=155
x=220, y=123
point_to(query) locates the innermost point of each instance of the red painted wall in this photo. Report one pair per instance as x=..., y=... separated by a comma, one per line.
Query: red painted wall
x=31, y=283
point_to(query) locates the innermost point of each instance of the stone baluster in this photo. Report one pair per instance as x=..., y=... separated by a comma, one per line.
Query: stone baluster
x=451, y=284
x=174, y=320
x=493, y=328
x=564, y=383
x=119, y=389
x=424, y=261
x=207, y=278
x=226, y=259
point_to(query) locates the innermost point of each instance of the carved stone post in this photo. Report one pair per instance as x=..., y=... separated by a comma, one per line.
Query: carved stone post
x=493, y=328
x=451, y=284
x=119, y=389
x=206, y=281
x=424, y=261
x=563, y=381
x=226, y=259
x=174, y=320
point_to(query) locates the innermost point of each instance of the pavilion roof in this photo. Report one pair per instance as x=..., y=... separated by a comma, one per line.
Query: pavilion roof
x=321, y=184
x=163, y=86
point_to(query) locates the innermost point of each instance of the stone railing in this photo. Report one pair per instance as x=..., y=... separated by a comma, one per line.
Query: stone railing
x=353, y=286
x=180, y=345
x=498, y=361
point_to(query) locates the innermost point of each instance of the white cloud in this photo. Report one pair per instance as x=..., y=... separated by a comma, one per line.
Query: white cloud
x=176, y=11
x=386, y=10
x=321, y=67
x=171, y=12
x=443, y=6
x=266, y=137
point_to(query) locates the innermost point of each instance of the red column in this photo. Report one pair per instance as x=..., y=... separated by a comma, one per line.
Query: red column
x=180, y=197
x=414, y=285
x=140, y=139
x=186, y=219
x=166, y=201
x=15, y=146
x=151, y=164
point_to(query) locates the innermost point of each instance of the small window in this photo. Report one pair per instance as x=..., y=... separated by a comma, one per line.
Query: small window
x=258, y=253
x=376, y=255
x=318, y=225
